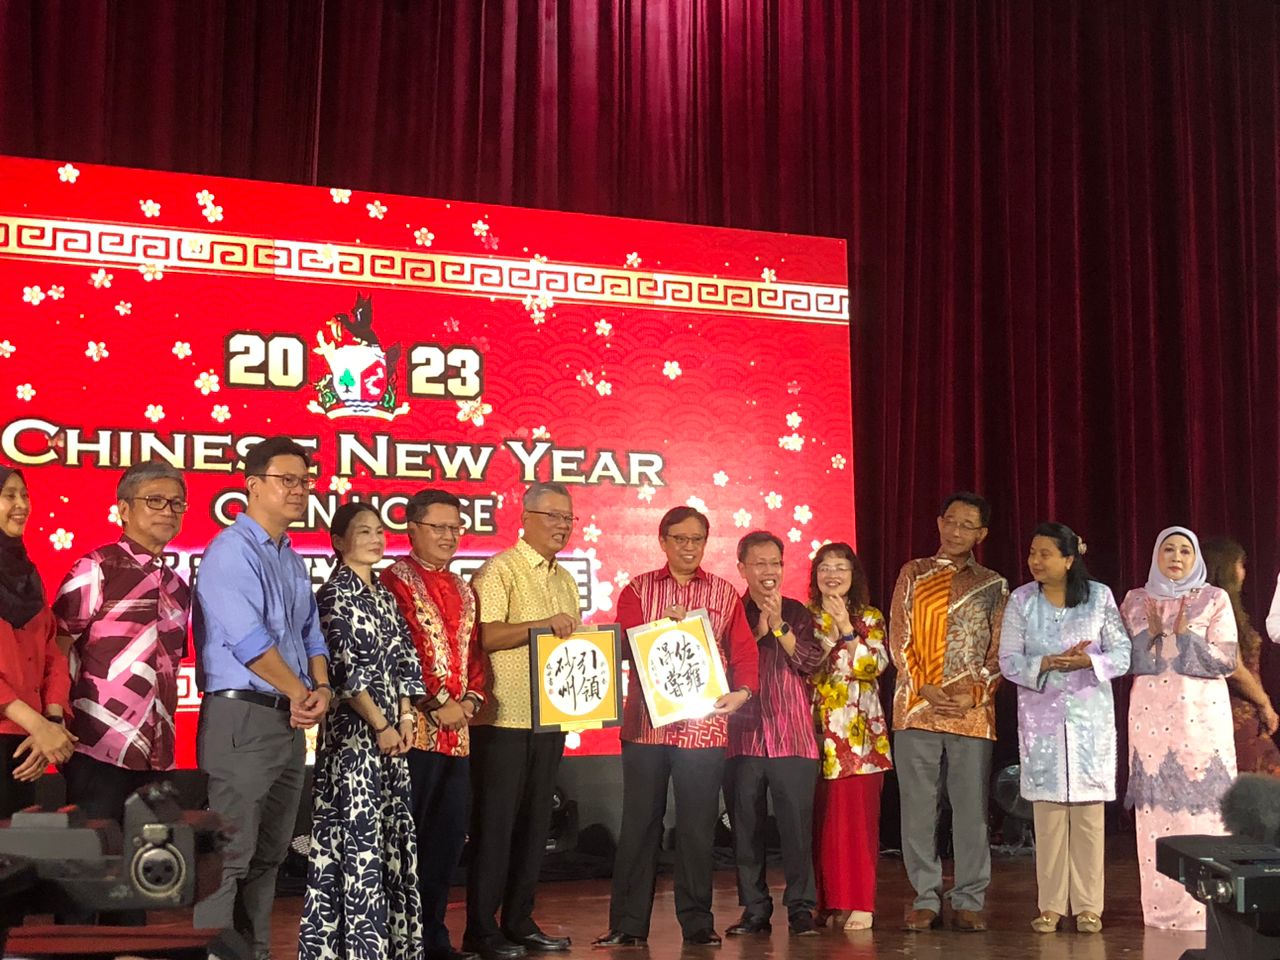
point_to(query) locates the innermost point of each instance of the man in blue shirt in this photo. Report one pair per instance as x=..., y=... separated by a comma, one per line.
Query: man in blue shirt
x=263, y=666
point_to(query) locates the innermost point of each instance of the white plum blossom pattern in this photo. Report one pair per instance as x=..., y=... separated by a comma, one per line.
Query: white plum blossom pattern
x=794, y=535
x=149, y=208
x=377, y=209
x=101, y=280
x=68, y=174
x=7, y=349
x=838, y=461
x=538, y=306
x=204, y=198
x=768, y=275
x=720, y=478
x=96, y=350
x=671, y=369
x=540, y=433
x=328, y=254
x=697, y=503
x=474, y=410
x=604, y=388
x=113, y=515
x=773, y=500
x=221, y=412
x=124, y=308
x=340, y=485
x=586, y=378
x=793, y=442
x=633, y=259
x=423, y=236
x=212, y=213
x=57, y=292
x=151, y=271
x=742, y=517
x=340, y=195
x=646, y=492
x=25, y=391
x=815, y=546
x=155, y=412
x=207, y=382
x=621, y=579
x=793, y=387
x=802, y=513
x=603, y=327
x=32, y=295
x=794, y=420
x=591, y=533
x=480, y=228
x=62, y=539
x=181, y=349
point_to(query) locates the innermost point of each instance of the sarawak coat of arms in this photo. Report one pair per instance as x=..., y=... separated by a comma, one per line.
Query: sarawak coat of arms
x=362, y=375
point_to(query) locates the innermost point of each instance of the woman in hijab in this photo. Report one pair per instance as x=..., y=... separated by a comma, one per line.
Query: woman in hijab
x=1181, y=736
x=35, y=681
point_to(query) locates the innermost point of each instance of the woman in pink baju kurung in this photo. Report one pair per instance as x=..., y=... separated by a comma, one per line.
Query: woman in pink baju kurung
x=1181, y=734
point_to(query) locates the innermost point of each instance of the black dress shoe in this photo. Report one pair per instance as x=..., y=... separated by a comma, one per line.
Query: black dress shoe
x=802, y=925
x=704, y=938
x=749, y=925
x=499, y=949
x=539, y=942
x=616, y=938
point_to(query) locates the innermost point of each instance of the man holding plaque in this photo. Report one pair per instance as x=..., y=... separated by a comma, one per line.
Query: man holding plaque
x=513, y=769
x=688, y=753
x=772, y=746
x=440, y=608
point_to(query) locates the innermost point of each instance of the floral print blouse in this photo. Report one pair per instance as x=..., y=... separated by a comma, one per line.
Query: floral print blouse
x=853, y=735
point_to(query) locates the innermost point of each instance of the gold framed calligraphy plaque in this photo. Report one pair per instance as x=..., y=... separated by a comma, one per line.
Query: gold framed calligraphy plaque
x=577, y=680
x=678, y=666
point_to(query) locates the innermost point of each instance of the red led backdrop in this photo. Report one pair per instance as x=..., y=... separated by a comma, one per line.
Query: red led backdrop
x=416, y=342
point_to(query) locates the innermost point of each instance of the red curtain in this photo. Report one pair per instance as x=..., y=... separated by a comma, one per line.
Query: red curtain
x=1062, y=216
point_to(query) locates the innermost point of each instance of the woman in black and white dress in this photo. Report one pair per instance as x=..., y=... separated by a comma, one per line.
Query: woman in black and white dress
x=362, y=897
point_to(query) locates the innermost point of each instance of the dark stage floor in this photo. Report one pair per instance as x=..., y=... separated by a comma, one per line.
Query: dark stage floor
x=580, y=909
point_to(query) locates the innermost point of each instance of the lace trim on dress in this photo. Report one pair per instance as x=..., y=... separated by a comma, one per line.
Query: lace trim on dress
x=1170, y=788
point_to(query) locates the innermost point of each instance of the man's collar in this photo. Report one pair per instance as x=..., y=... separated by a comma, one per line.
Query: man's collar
x=259, y=533
x=532, y=556
x=968, y=561
x=140, y=555
x=698, y=574
x=428, y=567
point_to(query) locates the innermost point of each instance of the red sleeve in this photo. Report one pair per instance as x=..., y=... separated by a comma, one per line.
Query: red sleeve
x=630, y=614
x=744, y=656
x=57, y=671
x=10, y=666
x=477, y=662
x=432, y=678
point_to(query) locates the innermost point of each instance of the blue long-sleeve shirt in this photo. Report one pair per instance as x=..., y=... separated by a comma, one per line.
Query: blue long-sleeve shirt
x=252, y=594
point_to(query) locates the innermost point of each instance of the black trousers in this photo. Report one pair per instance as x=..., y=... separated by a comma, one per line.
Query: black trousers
x=513, y=777
x=100, y=789
x=791, y=781
x=695, y=775
x=440, y=798
x=13, y=795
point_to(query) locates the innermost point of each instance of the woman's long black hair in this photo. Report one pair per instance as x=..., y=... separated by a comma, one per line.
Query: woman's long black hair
x=1069, y=545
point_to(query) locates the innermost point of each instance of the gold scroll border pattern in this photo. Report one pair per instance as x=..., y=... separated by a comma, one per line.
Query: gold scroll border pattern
x=106, y=244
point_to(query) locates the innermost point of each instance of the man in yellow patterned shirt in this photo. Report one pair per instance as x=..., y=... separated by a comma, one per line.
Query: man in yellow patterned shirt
x=513, y=769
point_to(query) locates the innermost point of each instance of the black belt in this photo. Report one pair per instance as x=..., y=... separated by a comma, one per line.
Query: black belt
x=253, y=696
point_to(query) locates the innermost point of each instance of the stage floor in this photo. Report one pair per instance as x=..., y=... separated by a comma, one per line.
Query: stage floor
x=579, y=909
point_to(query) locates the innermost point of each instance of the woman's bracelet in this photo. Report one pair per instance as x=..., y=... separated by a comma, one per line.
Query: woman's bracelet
x=408, y=716
x=382, y=729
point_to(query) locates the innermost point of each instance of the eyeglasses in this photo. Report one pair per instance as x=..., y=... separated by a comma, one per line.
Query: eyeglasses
x=441, y=529
x=682, y=541
x=826, y=570
x=565, y=519
x=764, y=566
x=962, y=527
x=158, y=503
x=290, y=481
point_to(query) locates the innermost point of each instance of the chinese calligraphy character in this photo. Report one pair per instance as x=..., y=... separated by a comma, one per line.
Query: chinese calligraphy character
x=576, y=677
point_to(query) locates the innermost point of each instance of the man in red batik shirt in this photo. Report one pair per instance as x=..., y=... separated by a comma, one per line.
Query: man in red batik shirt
x=689, y=753
x=440, y=608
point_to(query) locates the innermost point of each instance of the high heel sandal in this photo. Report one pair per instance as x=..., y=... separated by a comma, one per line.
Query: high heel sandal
x=859, y=920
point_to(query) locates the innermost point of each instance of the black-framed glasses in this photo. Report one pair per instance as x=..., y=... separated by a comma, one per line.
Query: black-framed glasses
x=159, y=503
x=682, y=541
x=290, y=481
x=555, y=516
x=441, y=529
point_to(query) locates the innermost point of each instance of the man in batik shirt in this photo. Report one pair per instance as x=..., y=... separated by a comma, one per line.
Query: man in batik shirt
x=944, y=625
x=440, y=608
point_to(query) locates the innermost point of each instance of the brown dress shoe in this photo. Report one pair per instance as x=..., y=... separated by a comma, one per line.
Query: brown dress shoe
x=921, y=920
x=970, y=921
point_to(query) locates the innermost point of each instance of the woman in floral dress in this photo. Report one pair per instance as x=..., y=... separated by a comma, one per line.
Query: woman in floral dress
x=853, y=736
x=362, y=896
x=1182, y=750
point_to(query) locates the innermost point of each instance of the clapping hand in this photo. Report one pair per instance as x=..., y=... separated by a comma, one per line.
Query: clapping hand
x=1155, y=625
x=834, y=607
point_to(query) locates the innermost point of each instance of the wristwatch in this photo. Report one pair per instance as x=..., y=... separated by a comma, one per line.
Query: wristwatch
x=747, y=691
x=782, y=629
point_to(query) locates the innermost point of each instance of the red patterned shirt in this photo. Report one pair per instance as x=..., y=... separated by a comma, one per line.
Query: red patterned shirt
x=440, y=608
x=126, y=613
x=646, y=598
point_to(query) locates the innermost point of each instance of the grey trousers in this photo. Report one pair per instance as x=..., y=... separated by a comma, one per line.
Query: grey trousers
x=255, y=762
x=918, y=757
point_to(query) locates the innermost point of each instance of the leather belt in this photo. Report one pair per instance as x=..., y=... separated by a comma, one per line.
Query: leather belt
x=253, y=696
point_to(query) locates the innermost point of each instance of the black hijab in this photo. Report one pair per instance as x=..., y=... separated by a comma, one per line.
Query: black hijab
x=21, y=593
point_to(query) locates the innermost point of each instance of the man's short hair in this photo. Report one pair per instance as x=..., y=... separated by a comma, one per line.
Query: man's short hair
x=757, y=538
x=131, y=480
x=680, y=515
x=971, y=499
x=263, y=452
x=537, y=490
x=423, y=500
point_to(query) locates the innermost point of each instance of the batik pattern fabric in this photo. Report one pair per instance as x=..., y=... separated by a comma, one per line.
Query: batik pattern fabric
x=126, y=613
x=362, y=899
x=853, y=734
x=1181, y=737
x=1256, y=751
x=1066, y=719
